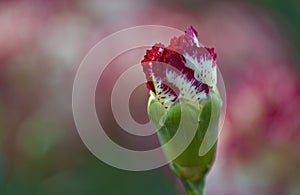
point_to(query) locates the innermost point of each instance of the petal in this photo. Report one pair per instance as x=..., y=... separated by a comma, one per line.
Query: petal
x=183, y=69
x=203, y=64
x=201, y=60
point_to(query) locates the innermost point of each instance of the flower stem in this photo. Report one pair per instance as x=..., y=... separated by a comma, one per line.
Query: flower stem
x=193, y=178
x=192, y=188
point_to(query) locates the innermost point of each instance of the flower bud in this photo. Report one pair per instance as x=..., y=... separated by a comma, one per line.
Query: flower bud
x=184, y=104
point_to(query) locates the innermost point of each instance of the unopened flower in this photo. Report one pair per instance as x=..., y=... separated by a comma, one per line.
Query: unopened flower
x=182, y=77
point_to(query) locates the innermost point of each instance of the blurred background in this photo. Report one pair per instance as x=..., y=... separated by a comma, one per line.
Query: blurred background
x=43, y=42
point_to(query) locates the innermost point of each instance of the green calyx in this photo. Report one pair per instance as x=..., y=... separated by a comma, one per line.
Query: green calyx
x=194, y=127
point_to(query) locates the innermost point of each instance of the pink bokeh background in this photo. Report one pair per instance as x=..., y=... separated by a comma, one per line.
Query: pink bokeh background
x=42, y=44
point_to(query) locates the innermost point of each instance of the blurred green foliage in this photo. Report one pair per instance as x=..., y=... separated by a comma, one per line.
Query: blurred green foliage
x=89, y=177
x=288, y=11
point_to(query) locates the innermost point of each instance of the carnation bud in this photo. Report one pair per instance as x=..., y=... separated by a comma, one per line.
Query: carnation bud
x=184, y=99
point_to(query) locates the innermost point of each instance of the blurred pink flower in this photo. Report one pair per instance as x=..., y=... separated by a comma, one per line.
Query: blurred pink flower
x=265, y=107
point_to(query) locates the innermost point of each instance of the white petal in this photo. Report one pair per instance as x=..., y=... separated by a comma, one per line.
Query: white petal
x=163, y=96
x=186, y=88
x=204, y=71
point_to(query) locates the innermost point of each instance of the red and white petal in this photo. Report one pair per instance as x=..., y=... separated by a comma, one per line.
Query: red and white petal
x=195, y=66
x=204, y=69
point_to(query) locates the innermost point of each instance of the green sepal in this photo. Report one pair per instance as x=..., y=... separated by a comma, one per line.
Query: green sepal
x=189, y=166
x=167, y=121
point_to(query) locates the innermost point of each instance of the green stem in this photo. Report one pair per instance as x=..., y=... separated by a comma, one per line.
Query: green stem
x=192, y=188
x=193, y=178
